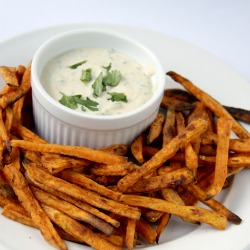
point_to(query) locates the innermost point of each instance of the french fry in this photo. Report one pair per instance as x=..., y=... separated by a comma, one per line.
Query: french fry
x=224, y=132
x=75, y=151
x=180, y=94
x=146, y=231
x=212, y=203
x=39, y=175
x=193, y=130
x=162, y=225
x=210, y=102
x=178, y=105
x=9, y=75
x=56, y=163
x=71, y=210
x=118, y=149
x=13, y=96
x=171, y=195
x=155, y=183
x=82, y=180
x=113, y=170
x=239, y=114
x=169, y=132
x=191, y=159
x=195, y=213
x=137, y=148
x=130, y=234
x=25, y=196
x=16, y=212
x=77, y=230
x=155, y=129
x=78, y=203
x=3, y=132
x=20, y=72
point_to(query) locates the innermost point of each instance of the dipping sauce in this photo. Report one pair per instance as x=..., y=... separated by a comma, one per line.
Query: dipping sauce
x=98, y=81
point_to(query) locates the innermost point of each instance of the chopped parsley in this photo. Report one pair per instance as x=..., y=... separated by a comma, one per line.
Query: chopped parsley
x=112, y=78
x=98, y=85
x=107, y=67
x=73, y=101
x=118, y=97
x=74, y=66
x=86, y=75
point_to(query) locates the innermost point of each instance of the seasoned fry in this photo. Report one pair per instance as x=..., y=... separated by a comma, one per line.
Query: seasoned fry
x=39, y=218
x=195, y=213
x=178, y=105
x=86, y=182
x=239, y=114
x=3, y=132
x=113, y=170
x=224, y=132
x=180, y=94
x=77, y=230
x=82, y=205
x=9, y=75
x=56, y=163
x=162, y=225
x=192, y=131
x=146, y=231
x=13, y=96
x=76, y=192
x=130, y=234
x=155, y=128
x=137, y=148
x=210, y=102
x=212, y=203
x=16, y=212
x=118, y=149
x=169, y=126
x=71, y=210
x=180, y=176
x=76, y=151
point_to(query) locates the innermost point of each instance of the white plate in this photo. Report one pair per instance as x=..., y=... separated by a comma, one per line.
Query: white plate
x=204, y=70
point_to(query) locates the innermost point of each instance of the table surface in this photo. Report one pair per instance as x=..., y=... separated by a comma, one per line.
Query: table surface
x=218, y=26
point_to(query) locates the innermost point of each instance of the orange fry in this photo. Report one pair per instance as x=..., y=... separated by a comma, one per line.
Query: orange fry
x=192, y=131
x=210, y=102
x=220, y=175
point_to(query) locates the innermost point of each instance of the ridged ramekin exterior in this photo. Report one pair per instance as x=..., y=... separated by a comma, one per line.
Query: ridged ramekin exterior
x=53, y=130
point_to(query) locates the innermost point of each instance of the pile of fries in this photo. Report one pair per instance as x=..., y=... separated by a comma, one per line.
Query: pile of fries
x=123, y=195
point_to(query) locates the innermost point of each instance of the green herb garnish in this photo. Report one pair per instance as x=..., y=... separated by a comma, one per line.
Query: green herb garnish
x=74, y=66
x=68, y=101
x=118, y=97
x=73, y=101
x=86, y=75
x=107, y=67
x=112, y=78
x=98, y=85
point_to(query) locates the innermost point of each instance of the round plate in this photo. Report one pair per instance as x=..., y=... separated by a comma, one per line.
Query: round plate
x=208, y=73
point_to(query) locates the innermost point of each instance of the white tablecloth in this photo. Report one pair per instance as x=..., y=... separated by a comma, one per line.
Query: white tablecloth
x=219, y=26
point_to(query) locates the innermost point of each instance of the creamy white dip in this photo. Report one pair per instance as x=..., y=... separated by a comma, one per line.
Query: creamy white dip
x=57, y=78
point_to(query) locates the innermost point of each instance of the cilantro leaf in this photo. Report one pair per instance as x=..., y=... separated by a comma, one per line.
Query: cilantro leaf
x=73, y=101
x=98, y=86
x=107, y=67
x=86, y=75
x=88, y=103
x=112, y=78
x=74, y=66
x=68, y=101
x=118, y=97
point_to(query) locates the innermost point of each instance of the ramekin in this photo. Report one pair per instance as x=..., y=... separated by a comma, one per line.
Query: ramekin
x=61, y=125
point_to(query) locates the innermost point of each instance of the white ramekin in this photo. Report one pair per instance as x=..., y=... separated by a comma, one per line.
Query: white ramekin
x=59, y=124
